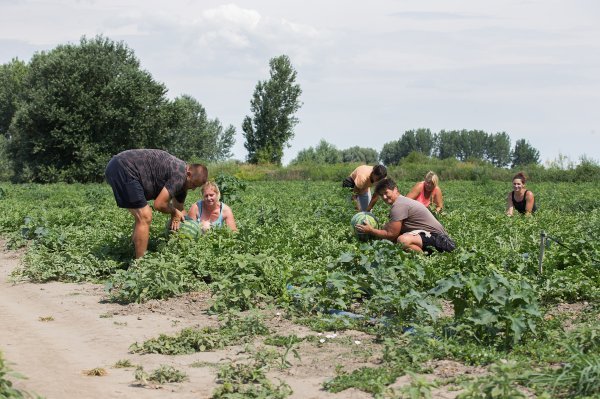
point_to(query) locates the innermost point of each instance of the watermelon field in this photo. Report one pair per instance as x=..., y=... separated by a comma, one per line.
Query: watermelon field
x=295, y=306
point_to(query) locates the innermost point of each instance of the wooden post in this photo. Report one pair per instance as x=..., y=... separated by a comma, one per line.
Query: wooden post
x=542, y=247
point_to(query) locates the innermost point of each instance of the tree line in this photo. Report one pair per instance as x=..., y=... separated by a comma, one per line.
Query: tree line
x=66, y=112
x=463, y=145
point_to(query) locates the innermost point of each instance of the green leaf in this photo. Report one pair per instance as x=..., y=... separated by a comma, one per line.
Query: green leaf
x=518, y=327
x=483, y=317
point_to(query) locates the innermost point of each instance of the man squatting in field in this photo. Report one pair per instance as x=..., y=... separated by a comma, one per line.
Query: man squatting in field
x=137, y=176
x=411, y=224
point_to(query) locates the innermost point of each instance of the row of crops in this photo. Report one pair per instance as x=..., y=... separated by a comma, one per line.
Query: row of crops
x=295, y=250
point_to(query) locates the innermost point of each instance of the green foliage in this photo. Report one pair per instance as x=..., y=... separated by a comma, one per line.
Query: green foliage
x=498, y=149
x=295, y=249
x=123, y=364
x=6, y=386
x=80, y=105
x=419, y=387
x=240, y=381
x=524, y=154
x=463, y=145
x=587, y=170
x=378, y=273
x=579, y=374
x=161, y=375
x=501, y=384
x=274, y=103
x=367, y=379
x=12, y=76
x=413, y=168
x=158, y=276
x=326, y=153
x=191, y=340
x=194, y=136
x=322, y=153
x=421, y=141
x=230, y=187
x=411, y=350
x=491, y=308
x=6, y=172
x=363, y=155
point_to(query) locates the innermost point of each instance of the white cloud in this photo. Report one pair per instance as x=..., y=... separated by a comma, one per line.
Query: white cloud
x=378, y=68
x=233, y=16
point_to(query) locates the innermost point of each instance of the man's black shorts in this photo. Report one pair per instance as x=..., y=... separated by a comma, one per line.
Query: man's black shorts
x=128, y=192
x=439, y=242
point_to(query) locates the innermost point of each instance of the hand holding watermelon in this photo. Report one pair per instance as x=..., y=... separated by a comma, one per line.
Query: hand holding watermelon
x=363, y=224
x=364, y=228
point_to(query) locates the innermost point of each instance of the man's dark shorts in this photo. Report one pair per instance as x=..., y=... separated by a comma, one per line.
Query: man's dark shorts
x=128, y=192
x=439, y=242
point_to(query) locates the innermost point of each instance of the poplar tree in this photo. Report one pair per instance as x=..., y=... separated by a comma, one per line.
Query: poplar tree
x=274, y=103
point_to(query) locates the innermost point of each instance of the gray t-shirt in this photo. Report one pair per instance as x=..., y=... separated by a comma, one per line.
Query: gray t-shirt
x=155, y=169
x=414, y=216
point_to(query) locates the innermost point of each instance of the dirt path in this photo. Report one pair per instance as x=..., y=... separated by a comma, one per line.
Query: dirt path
x=86, y=333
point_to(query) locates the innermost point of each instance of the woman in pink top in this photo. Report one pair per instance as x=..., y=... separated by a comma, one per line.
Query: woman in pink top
x=428, y=191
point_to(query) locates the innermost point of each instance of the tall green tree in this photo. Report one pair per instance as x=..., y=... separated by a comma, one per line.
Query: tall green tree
x=274, y=103
x=194, y=136
x=6, y=170
x=424, y=141
x=306, y=155
x=327, y=153
x=448, y=144
x=360, y=154
x=390, y=153
x=12, y=76
x=420, y=140
x=324, y=152
x=524, y=154
x=472, y=144
x=80, y=105
x=498, y=149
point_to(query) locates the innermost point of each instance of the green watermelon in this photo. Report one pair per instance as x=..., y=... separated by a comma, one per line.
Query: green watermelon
x=189, y=229
x=363, y=218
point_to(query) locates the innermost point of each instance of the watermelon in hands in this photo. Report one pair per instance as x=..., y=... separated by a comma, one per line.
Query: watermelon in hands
x=363, y=218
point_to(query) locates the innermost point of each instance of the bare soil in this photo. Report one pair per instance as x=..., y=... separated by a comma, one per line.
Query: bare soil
x=53, y=333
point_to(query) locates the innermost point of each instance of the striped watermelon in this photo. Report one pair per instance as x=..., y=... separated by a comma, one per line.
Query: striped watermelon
x=189, y=229
x=363, y=218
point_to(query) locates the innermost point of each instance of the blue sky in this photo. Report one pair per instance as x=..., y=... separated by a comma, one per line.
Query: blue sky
x=368, y=70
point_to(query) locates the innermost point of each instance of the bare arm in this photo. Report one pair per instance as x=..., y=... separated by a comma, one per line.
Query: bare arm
x=438, y=199
x=415, y=191
x=373, y=201
x=529, y=203
x=509, y=205
x=390, y=231
x=163, y=203
x=228, y=218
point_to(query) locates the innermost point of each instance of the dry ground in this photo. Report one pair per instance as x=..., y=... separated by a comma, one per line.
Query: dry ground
x=87, y=332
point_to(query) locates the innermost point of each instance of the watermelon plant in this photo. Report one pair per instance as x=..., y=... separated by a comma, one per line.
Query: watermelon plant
x=485, y=301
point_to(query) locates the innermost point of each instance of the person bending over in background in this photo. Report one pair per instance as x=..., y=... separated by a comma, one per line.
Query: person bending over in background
x=520, y=198
x=411, y=224
x=361, y=180
x=209, y=211
x=428, y=192
x=137, y=176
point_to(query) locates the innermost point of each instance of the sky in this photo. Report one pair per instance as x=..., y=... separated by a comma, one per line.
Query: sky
x=368, y=71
